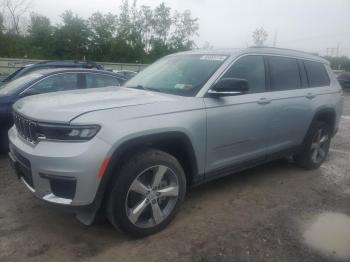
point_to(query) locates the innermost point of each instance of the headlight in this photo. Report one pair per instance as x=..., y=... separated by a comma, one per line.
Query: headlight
x=66, y=133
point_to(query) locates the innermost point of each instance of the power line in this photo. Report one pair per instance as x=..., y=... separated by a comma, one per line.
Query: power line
x=331, y=51
x=315, y=37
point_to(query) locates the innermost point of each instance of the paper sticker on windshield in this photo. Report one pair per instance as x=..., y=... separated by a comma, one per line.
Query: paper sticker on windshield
x=213, y=57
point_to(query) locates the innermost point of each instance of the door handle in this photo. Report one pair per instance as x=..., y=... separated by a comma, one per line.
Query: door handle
x=310, y=95
x=264, y=101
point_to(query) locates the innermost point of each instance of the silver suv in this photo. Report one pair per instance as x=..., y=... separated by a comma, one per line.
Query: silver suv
x=190, y=117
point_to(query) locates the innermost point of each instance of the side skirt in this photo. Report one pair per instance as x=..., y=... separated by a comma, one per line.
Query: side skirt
x=230, y=170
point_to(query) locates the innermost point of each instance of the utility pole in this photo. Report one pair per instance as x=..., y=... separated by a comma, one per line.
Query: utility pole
x=338, y=49
x=331, y=51
x=275, y=39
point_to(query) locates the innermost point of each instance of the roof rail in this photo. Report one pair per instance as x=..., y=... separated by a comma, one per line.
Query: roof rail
x=281, y=48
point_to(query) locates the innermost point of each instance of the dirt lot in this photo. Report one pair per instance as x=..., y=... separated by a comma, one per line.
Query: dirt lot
x=276, y=212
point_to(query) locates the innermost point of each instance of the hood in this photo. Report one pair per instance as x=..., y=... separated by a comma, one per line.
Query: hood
x=62, y=107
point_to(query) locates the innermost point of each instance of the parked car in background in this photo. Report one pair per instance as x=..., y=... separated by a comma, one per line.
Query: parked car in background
x=2, y=77
x=127, y=73
x=50, y=64
x=187, y=119
x=344, y=80
x=47, y=81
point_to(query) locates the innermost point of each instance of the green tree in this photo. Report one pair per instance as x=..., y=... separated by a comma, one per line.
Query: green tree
x=185, y=28
x=129, y=34
x=72, y=37
x=146, y=23
x=339, y=63
x=162, y=22
x=260, y=36
x=40, y=36
x=103, y=30
x=2, y=26
x=137, y=34
x=13, y=46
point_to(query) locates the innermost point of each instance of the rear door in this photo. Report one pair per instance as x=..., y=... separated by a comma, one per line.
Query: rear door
x=236, y=125
x=291, y=109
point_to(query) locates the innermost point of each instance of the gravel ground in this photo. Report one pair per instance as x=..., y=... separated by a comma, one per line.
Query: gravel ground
x=269, y=213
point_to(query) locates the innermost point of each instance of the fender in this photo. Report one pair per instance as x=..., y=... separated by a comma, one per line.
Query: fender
x=134, y=143
x=323, y=113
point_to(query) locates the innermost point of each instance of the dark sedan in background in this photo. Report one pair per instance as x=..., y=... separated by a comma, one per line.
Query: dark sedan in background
x=30, y=68
x=344, y=80
x=45, y=81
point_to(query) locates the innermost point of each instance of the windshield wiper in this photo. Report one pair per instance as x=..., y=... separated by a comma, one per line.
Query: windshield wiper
x=145, y=88
x=137, y=87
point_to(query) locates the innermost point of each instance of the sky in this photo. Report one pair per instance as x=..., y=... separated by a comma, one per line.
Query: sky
x=307, y=25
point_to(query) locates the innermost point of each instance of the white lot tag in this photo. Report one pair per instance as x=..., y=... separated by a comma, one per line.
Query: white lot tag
x=213, y=57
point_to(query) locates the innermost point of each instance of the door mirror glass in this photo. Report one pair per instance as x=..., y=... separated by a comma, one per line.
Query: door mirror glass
x=230, y=87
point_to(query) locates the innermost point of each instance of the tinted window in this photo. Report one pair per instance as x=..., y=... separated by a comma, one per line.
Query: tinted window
x=250, y=68
x=18, y=84
x=97, y=80
x=316, y=74
x=284, y=73
x=61, y=82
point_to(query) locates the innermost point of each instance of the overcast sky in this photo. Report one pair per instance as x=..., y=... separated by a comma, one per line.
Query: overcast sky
x=309, y=25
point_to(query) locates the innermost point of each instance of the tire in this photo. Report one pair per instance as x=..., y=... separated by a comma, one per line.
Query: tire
x=313, y=146
x=139, y=183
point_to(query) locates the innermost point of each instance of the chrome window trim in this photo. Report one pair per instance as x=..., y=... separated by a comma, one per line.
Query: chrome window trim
x=64, y=73
x=46, y=77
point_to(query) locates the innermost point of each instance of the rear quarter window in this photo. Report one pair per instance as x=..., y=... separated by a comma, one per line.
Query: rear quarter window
x=316, y=74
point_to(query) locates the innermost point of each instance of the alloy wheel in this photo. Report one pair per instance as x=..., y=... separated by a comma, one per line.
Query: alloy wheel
x=152, y=196
x=319, y=146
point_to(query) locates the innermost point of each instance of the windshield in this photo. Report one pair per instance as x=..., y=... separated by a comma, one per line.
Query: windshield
x=17, y=84
x=180, y=74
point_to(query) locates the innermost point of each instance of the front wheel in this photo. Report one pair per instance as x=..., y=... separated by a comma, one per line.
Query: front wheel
x=146, y=194
x=316, y=146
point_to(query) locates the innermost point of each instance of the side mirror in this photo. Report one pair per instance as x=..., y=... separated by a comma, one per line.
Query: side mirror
x=229, y=87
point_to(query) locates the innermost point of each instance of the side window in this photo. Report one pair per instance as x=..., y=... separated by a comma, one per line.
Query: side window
x=284, y=73
x=98, y=80
x=317, y=74
x=61, y=82
x=250, y=68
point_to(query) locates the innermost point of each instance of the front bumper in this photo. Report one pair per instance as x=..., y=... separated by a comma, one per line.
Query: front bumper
x=60, y=173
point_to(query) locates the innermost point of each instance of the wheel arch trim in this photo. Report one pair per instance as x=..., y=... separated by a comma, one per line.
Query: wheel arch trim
x=139, y=142
x=325, y=111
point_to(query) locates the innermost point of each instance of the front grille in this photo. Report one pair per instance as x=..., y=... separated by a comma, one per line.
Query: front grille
x=26, y=128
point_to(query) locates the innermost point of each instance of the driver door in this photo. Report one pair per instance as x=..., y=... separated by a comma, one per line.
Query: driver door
x=237, y=125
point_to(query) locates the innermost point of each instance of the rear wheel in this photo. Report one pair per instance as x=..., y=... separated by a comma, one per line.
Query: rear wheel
x=316, y=146
x=148, y=191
